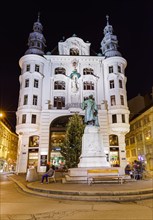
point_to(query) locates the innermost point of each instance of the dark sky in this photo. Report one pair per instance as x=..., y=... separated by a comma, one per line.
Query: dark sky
x=132, y=21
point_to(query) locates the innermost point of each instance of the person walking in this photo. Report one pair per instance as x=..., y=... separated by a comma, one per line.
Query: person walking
x=49, y=173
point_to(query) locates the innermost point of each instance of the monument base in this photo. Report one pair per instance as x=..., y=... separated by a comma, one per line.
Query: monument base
x=92, y=149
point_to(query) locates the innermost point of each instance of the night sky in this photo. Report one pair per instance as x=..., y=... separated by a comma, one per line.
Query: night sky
x=132, y=21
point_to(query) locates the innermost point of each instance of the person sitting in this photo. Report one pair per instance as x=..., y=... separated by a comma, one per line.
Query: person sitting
x=49, y=173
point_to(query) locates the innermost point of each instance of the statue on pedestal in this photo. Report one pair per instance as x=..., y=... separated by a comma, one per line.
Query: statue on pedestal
x=91, y=111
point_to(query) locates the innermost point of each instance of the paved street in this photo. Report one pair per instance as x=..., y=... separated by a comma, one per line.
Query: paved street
x=18, y=205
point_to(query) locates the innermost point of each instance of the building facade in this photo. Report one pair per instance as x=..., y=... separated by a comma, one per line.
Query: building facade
x=8, y=148
x=53, y=87
x=139, y=141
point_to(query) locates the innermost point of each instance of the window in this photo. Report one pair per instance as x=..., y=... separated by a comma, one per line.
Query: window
x=36, y=81
x=37, y=68
x=33, y=119
x=113, y=140
x=133, y=152
x=59, y=102
x=88, y=71
x=59, y=85
x=111, y=84
x=110, y=69
x=35, y=99
x=123, y=118
x=139, y=137
x=60, y=70
x=88, y=86
x=28, y=67
x=113, y=101
x=120, y=83
x=26, y=82
x=34, y=141
x=119, y=69
x=122, y=99
x=74, y=52
x=23, y=119
x=25, y=102
x=132, y=140
x=114, y=118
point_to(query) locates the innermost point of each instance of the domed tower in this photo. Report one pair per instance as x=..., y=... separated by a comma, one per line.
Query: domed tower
x=115, y=95
x=36, y=41
x=30, y=96
x=109, y=43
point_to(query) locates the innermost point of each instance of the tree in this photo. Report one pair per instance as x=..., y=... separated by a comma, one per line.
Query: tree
x=71, y=147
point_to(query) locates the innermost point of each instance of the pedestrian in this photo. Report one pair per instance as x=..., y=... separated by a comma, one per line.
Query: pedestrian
x=49, y=173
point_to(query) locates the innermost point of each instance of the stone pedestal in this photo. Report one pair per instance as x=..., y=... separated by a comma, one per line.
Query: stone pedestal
x=92, y=149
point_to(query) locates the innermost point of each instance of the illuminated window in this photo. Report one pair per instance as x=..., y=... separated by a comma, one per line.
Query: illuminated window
x=113, y=140
x=34, y=141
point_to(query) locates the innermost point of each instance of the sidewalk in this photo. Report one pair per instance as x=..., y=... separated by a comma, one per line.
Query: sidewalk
x=128, y=191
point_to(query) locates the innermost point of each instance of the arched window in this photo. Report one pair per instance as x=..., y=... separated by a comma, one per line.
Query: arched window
x=113, y=140
x=74, y=52
x=60, y=70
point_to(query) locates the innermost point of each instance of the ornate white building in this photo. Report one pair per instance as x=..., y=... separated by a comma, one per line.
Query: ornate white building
x=52, y=88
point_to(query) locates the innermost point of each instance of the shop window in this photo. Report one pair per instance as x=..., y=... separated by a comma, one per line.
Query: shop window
x=114, y=157
x=113, y=140
x=34, y=141
x=33, y=158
